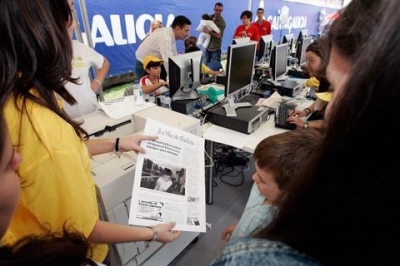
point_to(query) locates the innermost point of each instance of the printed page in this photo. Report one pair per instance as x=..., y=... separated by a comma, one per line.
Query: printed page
x=122, y=107
x=169, y=180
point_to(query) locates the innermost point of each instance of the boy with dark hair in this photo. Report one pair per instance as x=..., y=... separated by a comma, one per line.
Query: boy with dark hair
x=276, y=158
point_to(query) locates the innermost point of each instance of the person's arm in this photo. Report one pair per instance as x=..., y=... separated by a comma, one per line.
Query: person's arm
x=213, y=27
x=300, y=123
x=206, y=70
x=199, y=28
x=305, y=112
x=212, y=33
x=106, y=232
x=238, y=33
x=96, y=83
x=153, y=87
x=167, y=49
x=157, y=186
x=129, y=143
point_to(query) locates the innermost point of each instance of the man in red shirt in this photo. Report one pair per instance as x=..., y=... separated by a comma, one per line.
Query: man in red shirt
x=263, y=26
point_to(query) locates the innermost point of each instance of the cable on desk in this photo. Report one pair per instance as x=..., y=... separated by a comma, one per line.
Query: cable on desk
x=230, y=183
x=211, y=161
x=223, y=167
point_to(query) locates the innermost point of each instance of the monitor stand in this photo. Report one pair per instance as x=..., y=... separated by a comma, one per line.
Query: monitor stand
x=230, y=107
x=185, y=94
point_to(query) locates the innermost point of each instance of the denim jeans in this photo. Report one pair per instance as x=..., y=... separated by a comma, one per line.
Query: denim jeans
x=252, y=251
x=211, y=56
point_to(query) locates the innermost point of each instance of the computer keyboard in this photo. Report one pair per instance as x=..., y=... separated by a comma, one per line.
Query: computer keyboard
x=250, y=98
x=207, y=80
x=281, y=114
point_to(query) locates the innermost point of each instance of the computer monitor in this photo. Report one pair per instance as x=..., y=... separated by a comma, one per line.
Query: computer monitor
x=266, y=45
x=184, y=75
x=301, y=50
x=241, y=40
x=289, y=39
x=302, y=34
x=278, y=61
x=239, y=72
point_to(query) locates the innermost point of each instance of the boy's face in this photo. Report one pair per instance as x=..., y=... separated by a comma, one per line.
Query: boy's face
x=265, y=181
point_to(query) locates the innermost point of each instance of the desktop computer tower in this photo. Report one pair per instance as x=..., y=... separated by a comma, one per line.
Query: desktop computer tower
x=169, y=117
x=248, y=119
x=287, y=87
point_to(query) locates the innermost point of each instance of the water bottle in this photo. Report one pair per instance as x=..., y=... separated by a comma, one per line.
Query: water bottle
x=166, y=100
x=138, y=92
x=151, y=98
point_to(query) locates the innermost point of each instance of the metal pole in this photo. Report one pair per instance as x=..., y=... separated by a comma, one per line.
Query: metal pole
x=209, y=172
x=249, y=4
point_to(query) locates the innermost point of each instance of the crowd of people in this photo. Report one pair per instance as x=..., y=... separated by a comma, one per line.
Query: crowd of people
x=326, y=197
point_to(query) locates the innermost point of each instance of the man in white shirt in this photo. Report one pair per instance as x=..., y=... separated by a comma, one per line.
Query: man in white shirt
x=161, y=43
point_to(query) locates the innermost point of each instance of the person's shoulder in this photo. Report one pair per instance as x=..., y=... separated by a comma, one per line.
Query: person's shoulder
x=78, y=44
x=253, y=251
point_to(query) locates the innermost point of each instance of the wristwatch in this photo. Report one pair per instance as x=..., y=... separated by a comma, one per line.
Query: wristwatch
x=306, y=124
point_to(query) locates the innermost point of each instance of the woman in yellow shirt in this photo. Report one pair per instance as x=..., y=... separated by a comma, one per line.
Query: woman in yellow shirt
x=58, y=187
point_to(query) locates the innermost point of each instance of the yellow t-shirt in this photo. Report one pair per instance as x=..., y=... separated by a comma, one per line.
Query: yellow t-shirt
x=57, y=185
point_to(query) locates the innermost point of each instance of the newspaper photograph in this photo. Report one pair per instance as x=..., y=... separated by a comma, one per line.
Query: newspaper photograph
x=169, y=180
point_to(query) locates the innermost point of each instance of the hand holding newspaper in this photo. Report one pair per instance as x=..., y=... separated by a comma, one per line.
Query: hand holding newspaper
x=169, y=180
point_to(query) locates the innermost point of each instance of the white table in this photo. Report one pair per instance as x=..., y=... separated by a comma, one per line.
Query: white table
x=213, y=133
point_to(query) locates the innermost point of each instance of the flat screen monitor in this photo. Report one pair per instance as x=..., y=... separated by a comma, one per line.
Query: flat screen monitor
x=266, y=45
x=239, y=73
x=302, y=34
x=241, y=40
x=301, y=50
x=239, y=66
x=278, y=61
x=184, y=75
x=289, y=39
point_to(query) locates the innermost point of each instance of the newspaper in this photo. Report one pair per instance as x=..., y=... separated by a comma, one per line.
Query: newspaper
x=169, y=180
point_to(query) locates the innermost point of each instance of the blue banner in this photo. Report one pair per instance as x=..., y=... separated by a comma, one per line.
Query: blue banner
x=118, y=26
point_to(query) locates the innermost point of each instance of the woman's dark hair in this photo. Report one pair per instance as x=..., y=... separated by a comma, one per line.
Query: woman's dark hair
x=320, y=48
x=340, y=208
x=316, y=48
x=36, y=52
x=68, y=248
x=3, y=132
x=190, y=41
x=153, y=64
x=246, y=14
